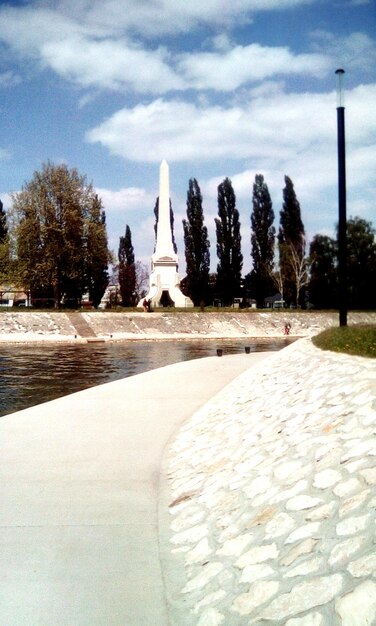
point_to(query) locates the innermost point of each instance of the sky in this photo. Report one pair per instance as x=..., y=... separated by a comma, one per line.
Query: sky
x=217, y=88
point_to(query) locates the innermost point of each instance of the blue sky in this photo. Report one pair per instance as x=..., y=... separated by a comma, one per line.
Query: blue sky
x=216, y=88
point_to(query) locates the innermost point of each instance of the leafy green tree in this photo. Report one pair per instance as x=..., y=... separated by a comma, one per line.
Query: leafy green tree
x=197, y=245
x=291, y=242
x=322, y=286
x=3, y=223
x=262, y=242
x=127, y=269
x=5, y=269
x=230, y=258
x=52, y=212
x=361, y=264
x=97, y=255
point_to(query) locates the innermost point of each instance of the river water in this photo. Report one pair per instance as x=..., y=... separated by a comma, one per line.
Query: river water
x=30, y=374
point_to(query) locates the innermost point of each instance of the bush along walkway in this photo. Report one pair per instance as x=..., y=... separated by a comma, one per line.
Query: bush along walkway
x=272, y=496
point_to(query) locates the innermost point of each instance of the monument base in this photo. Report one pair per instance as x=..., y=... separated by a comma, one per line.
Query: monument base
x=163, y=294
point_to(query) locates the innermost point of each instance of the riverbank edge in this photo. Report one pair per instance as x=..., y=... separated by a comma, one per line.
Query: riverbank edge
x=91, y=327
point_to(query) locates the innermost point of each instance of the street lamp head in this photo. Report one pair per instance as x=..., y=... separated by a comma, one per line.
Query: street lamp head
x=340, y=88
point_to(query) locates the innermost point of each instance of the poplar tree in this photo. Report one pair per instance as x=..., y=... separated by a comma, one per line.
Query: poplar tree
x=127, y=269
x=291, y=241
x=230, y=258
x=97, y=255
x=262, y=241
x=4, y=246
x=3, y=224
x=156, y=214
x=197, y=245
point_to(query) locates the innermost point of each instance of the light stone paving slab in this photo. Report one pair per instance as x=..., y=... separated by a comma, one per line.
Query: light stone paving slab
x=358, y=607
x=285, y=457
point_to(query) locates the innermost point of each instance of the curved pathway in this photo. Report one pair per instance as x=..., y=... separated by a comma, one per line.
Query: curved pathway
x=79, y=496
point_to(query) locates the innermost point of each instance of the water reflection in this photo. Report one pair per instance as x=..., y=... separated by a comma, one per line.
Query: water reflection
x=30, y=375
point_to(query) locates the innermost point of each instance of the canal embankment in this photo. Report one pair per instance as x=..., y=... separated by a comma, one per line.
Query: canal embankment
x=92, y=326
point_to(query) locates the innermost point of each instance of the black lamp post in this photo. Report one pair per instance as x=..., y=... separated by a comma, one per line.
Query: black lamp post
x=342, y=227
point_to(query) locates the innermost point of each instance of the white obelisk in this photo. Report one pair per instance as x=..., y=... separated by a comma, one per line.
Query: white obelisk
x=164, y=279
x=164, y=246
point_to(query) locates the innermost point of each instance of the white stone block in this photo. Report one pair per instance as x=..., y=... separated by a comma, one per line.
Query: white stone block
x=342, y=551
x=365, y=566
x=307, y=567
x=325, y=511
x=303, y=597
x=258, y=594
x=299, y=503
x=199, y=552
x=344, y=489
x=281, y=524
x=308, y=530
x=252, y=573
x=305, y=547
x=258, y=554
x=353, y=503
x=326, y=478
x=358, y=608
x=235, y=546
x=352, y=525
x=284, y=470
x=191, y=535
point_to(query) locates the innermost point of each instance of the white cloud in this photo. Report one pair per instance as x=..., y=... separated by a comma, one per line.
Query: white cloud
x=283, y=133
x=127, y=199
x=243, y=64
x=105, y=53
x=160, y=17
x=27, y=29
x=111, y=65
x=81, y=54
x=275, y=127
x=354, y=52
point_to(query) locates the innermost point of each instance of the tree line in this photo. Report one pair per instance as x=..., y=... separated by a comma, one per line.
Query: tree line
x=54, y=243
x=281, y=262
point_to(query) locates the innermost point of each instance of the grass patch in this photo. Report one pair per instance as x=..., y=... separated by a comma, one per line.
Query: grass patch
x=358, y=340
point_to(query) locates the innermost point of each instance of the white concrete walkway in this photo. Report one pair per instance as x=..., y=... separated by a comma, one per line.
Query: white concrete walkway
x=79, y=493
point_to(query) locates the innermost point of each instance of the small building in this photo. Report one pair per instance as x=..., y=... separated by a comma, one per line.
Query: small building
x=274, y=302
x=12, y=295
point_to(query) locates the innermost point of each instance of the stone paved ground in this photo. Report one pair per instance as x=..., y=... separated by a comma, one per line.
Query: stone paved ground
x=272, y=497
